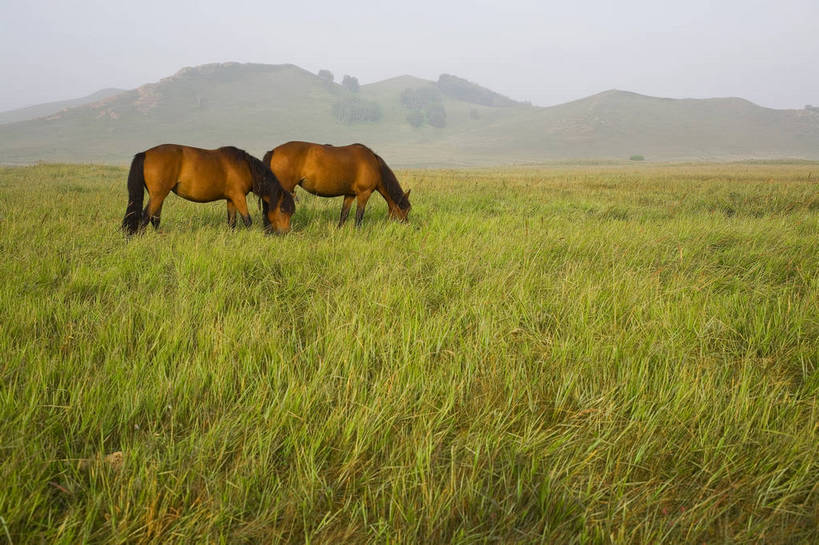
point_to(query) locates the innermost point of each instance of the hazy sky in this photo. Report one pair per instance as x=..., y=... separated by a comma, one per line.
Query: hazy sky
x=545, y=52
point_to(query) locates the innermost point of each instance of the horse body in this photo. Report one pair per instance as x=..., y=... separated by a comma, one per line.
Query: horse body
x=353, y=171
x=183, y=169
x=201, y=175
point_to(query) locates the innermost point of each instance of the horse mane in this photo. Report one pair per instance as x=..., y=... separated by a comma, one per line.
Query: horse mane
x=390, y=181
x=263, y=180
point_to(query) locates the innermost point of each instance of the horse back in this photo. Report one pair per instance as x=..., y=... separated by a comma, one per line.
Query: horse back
x=323, y=169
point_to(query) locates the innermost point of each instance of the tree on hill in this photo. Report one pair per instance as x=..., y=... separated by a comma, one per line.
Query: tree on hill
x=415, y=118
x=419, y=98
x=425, y=104
x=350, y=83
x=435, y=115
x=355, y=110
x=326, y=75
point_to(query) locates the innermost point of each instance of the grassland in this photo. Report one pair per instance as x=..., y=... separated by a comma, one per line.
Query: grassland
x=593, y=354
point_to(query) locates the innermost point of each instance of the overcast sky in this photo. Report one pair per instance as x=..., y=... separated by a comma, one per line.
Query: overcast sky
x=544, y=52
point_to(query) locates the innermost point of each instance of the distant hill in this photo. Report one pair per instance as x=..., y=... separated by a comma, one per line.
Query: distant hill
x=619, y=123
x=42, y=110
x=410, y=121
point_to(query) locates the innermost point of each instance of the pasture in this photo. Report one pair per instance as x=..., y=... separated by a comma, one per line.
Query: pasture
x=562, y=354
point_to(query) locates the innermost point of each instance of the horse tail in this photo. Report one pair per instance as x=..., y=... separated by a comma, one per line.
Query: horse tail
x=136, y=191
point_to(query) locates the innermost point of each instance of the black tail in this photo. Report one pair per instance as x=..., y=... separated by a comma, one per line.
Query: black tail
x=136, y=190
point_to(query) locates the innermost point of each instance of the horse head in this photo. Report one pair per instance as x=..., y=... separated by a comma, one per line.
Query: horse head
x=277, y=209
x=401, y=210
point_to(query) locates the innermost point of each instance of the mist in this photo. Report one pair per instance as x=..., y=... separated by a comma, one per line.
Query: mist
x=546, y=53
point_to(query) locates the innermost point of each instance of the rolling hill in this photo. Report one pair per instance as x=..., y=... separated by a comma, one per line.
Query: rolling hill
x=411, y=121
x=48, y=108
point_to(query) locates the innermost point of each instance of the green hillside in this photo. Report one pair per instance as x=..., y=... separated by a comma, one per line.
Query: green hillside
x=411, y=121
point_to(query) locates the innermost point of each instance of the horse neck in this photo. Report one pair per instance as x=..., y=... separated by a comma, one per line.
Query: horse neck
x=386, y=194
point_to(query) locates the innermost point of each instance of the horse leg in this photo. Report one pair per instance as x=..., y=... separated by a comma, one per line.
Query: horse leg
x=143, y=221
x=361, y=203
x=345, y=209
x=154, y=209
x=265, y=220
x=231, y=214
x=241, y=205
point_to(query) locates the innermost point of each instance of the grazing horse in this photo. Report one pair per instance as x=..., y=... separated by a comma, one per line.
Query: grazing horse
x=354, y=171
x=201, y=175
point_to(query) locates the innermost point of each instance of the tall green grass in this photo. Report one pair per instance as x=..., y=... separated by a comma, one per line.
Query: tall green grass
x=594, y=354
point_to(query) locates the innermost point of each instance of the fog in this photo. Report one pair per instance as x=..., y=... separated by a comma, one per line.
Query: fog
x=543, y=52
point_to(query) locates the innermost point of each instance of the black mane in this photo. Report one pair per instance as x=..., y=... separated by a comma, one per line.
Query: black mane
x=264, y=181
x=390, y=181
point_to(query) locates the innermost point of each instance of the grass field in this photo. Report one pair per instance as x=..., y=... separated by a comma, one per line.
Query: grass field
x=573, y=354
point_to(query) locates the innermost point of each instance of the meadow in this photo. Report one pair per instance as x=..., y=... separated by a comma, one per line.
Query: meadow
x=556, y=354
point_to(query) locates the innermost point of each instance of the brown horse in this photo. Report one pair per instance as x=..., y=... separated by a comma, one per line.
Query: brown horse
x=354, y=171
x=201, y=175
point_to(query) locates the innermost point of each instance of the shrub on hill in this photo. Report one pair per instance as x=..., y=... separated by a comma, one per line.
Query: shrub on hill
x=354, y=110
x=637, y=158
